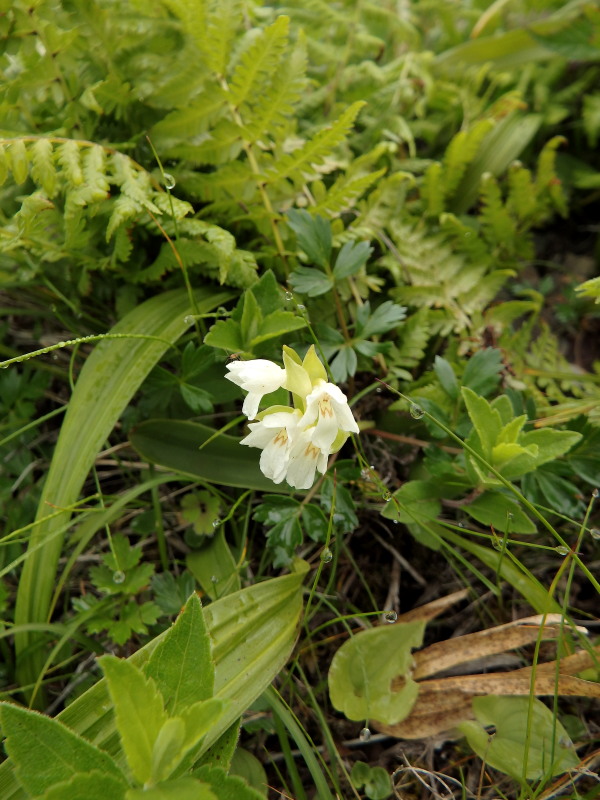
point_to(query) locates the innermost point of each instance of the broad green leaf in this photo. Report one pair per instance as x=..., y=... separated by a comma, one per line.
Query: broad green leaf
x=178, y=445
x=139, y=710
x=214, y=567
x=251, y=319
x=383, y=319
x=495, y=508
x=181, y=665
x=181, y=789
x=45, y=752
x=277, y=323
x=252, y=632
x=313, y=234
x=362, y=671
x=226, y=334
x=550, y=443
x=246, y=765
x=550, y=751
x=227, y=787
x=87, y=786
x=109, y=379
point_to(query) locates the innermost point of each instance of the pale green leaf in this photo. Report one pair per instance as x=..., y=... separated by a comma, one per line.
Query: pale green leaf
x=87, y=786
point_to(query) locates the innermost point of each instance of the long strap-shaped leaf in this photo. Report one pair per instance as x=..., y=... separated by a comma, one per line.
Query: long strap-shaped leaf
x=109, y=379
x=252, y=633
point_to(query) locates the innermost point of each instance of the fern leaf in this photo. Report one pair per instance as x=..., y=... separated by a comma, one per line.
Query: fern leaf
x=69, y=158
x=259, y=63
x=432, y=190
x=125, y=208
x=223, y=143
x=134, y=183
x=3, y=165
x=190, y=123
x=460, y=153
x=94, y=173
x=42, y=168
x=19, y=160
x=412, y=340
x=276, y=103
x=521, y=192
x=344, y=192
x=193, y=14
x=497, y=225
x=546, y=178
x=293, y=165
x=222, y=24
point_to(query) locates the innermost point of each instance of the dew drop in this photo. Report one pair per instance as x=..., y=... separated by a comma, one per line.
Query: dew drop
x=300, y=307
x=497, y=544
x=365, y=474
x=289, y=295
x=378, y=390
x=214, y=579
x=565, y=742
x=595, y=493
x=595, y=533
x=54, y=357
x=387, y=496
x=169, y=180
x=461, y=524
x=390, y=616
x=371, y=467
x=562, y=550
x=510, y=515
x=395, y=521
x=364, y=735
x=326, y=555
x=188, y=320
x=416, y=411
x=118, y=576
x=216, y=522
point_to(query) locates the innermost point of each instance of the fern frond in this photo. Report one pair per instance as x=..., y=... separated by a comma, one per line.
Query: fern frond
x=293, y=165
x=412, y=340
x=69, y=158
x=135, y=184
x=194, y=16
x=460, y=153
x=19, y=161
x=546, y=178
x=497, y=225
x=42, y=169
x=344, y=192
x=521, y=198
x=432, y=190
x=190, y=123
x=223, y=20
x=259, y=62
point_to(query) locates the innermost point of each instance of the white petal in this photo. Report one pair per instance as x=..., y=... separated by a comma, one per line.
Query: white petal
x=325, y=432
x=259, y=436
x=251, y=403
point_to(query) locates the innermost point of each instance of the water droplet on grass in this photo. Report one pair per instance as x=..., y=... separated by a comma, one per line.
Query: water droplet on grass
x=416, y=411
x=214, y=579
x=364, y=735
x=188, y=319
x=169, y=180
x=595, y=533
x=387, y=496
x=216, y=522
x=300, y=307
x=289, y=295
x=595, y=493
x=562, y=550
x=390, y=616
x=118, y=576
x=326, y=555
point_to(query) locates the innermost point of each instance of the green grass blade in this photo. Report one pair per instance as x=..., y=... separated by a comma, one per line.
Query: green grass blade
x=108, y=381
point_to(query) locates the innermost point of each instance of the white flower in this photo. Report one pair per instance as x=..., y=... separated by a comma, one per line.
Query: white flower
x=257, y=377
x=304, y=460
x=328, y=406
x=274, y=434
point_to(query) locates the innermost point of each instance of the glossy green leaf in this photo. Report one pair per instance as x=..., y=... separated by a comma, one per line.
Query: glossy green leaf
x=542, y=738
x=139, y=710
x=362, y=671
x=45, y=752
x=109, y=379
x=176, y=444
x=181, y=664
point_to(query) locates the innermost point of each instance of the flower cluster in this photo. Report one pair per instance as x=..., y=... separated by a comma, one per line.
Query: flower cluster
x=297, y=440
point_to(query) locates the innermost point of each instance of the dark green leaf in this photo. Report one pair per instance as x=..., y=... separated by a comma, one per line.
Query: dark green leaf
x=351, y=258
x=277, y=323
x=446, y=377
x=315, y=522
x=313, y=234
x=385, y=317
x=482, y=373
x=310, y=281
x=343, y=365
x=214, y=567
x=251, y=319
x=196, y=398
x=501, y=512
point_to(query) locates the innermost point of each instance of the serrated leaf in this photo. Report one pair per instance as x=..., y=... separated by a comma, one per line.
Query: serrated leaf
x=313, y=235
x=310, y=281
x=227, y=787
x=181, y=789
x=87, y=786
x=351, y=258
x=486, y=420
x=482, y=373
x=385, y=317
x=45, y=752
x=139, y=710
x=362, y=670
x=181, y=665
x=226, y=334
x=277, y=323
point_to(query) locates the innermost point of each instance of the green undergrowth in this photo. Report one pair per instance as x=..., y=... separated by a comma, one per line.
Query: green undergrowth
x=412, y=189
